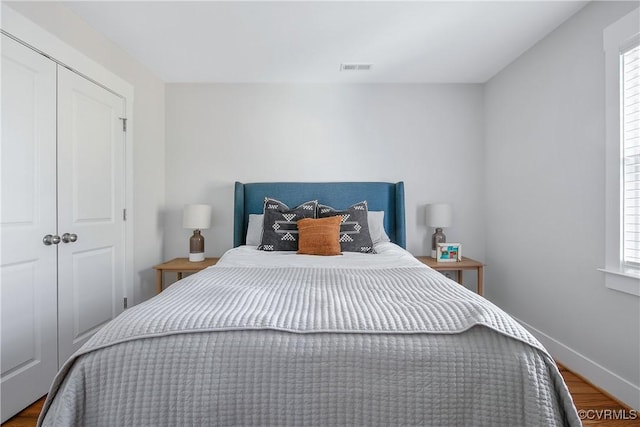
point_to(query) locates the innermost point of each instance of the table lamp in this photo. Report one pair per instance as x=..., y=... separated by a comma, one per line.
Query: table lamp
x=196, y=218
x=438, y=216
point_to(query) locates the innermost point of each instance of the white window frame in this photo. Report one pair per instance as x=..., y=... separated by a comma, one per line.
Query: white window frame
x=618, y=37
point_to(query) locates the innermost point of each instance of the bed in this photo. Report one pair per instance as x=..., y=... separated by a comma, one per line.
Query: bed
x=275, y=338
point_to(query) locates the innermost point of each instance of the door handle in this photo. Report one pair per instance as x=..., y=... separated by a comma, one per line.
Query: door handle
x=69, y=238
x=51, y=239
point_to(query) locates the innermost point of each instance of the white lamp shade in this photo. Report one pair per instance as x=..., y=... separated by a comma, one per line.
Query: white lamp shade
x=439, y=215
x=196, y=217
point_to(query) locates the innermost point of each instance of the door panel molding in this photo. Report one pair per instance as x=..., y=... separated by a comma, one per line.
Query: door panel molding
x=31, y=35
x=22, y=33
x=28, y=313
x=92, y=269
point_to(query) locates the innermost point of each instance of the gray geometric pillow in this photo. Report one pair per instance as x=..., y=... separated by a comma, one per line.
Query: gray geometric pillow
x=280, y=228
x=354, y=229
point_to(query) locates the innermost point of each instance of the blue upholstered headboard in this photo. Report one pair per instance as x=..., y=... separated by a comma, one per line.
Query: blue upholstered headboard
x=380, y=196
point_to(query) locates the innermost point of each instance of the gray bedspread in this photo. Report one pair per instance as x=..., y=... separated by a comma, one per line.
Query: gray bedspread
x=311, y=346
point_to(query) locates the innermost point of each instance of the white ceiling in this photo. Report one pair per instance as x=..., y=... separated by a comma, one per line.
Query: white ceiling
x=306, y=41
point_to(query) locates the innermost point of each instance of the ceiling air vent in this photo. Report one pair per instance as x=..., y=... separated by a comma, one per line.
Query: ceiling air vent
x=355, y=67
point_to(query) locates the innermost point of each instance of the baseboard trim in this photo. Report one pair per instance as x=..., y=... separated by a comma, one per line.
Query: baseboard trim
x=598, y=375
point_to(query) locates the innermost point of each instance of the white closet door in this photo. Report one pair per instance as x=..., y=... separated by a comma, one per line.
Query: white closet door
x=28, y=328
x=90, y=205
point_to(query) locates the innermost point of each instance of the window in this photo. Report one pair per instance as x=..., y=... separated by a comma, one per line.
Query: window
x=630, y=153
x=622, y=204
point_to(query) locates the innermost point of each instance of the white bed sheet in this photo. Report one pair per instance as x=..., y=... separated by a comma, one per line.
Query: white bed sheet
x=388, y=255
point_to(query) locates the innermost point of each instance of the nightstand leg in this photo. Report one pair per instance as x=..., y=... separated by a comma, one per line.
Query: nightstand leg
x=480, y=275
x=158, y=281
x=460, y=276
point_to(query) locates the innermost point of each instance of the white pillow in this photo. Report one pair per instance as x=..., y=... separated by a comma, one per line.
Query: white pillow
x=376, y=227
x=374, y=218
x=254, y=229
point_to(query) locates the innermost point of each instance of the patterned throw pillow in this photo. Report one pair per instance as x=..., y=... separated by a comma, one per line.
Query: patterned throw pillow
x=354, y=229
x=280, y=229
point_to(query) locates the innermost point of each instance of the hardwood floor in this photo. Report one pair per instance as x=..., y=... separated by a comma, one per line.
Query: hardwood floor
x=28, y=417
x=597, y=407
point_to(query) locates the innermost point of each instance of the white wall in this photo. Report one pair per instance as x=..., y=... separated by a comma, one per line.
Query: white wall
x=545, y=128
x=429, y=136
x=148, y=127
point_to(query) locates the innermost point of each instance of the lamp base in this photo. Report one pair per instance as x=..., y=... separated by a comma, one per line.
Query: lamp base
x=196, y=247
x=196, y=257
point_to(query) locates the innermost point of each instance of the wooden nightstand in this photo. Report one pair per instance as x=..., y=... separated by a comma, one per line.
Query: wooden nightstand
x=465, y=264
x=179, y=266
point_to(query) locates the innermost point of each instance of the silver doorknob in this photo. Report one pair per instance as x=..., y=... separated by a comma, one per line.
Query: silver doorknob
x=51, y=239
x=69, y=238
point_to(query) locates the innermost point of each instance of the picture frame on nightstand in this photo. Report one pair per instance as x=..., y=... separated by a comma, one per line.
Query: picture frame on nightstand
x=449, y=252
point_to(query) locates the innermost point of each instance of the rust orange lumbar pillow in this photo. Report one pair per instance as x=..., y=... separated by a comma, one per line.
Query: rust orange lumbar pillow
x=319, y=236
